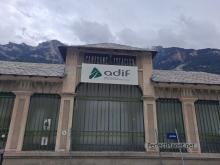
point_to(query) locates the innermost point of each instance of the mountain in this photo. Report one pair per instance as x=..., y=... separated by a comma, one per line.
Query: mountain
x=173, y=58
x=205, y=60
x=45, y=52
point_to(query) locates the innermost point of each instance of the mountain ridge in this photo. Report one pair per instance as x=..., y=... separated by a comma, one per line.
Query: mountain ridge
x=172, y=58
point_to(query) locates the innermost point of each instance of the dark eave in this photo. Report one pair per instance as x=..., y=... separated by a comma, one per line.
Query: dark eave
x=107, y=47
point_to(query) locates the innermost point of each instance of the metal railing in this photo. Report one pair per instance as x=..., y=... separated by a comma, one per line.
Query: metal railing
x=39, y=140
x=208, y=120
x=41, y=126
x=108, y=118
x=6, y=106
x=210, y=142
x=3, y=137
x=109, y=59
x=1, y=156
x=169, y=118
x=107, y=141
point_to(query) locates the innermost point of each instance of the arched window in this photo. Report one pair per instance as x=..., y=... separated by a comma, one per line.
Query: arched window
x=108, y=118
x=41, y=126
x=6, y=107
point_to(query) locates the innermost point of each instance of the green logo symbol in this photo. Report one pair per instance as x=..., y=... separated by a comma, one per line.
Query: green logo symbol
x=95, y=73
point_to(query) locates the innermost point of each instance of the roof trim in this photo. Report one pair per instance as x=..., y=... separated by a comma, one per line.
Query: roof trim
x=185, y=77
x=31, y=69
x=182, y=83
x=101, y=47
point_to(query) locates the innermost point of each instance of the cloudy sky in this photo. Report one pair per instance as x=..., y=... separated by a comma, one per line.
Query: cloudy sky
x=143, y=23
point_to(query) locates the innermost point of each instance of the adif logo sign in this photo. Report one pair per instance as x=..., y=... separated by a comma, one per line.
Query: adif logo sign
x=119, y=72
x=109, y=74
x=95, y=73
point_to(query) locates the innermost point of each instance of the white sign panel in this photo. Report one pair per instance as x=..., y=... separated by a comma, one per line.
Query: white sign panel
x=109, y=74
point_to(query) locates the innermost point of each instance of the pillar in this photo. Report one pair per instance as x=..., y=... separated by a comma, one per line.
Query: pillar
x=65, y=123
x=63, y=138
x=150, y=123
x=18, y=121
x=150, y=118
x=190, y=123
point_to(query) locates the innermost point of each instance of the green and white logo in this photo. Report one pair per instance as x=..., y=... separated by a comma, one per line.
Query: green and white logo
x=95, y=73
x=109, y=74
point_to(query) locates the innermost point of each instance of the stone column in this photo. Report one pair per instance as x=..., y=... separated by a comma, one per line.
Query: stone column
x=18, y=121
x=190, y=123
x=65, y=123
x=150, y=123
x=150, y=119
x=67, y=100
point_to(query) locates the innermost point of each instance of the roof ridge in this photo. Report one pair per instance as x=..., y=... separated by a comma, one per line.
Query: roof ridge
x=186, y=77
x=115, y=44
x=111, y=45
x=186, y=71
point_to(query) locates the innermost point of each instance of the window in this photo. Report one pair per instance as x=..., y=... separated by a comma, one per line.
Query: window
x=208, y=119
x=108, y=118
x=41, y=126
x=109, y=59
x=6, y=107
x=169, y=118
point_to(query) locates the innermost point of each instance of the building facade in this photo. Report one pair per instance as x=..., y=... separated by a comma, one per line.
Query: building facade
x=106, y=105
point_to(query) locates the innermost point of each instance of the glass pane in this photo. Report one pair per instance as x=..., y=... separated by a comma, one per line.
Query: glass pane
x=41, y=127
x=169, y=118
x=104, y=122
x=208, y=119
x=6, y=107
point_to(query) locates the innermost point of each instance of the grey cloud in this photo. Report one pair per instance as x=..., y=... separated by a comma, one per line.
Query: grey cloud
x=32, y=36
x=199, y=33
x=85, y=21
x=168, y=37
x=92, y=32
x=137, y=38
x=128, y=36
x=189, y=33
x=185, y=32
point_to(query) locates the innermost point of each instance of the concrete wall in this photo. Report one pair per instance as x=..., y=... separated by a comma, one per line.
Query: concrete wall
x=106, y=158
x=105, y=161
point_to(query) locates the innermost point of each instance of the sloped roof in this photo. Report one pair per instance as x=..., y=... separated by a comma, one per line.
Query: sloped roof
x=57, y=70
x=187, y=77
x=112, y=46
x=31, y=69
x=105, y=46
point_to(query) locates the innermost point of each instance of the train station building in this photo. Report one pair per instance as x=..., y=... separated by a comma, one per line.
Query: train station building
x=106, y=105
